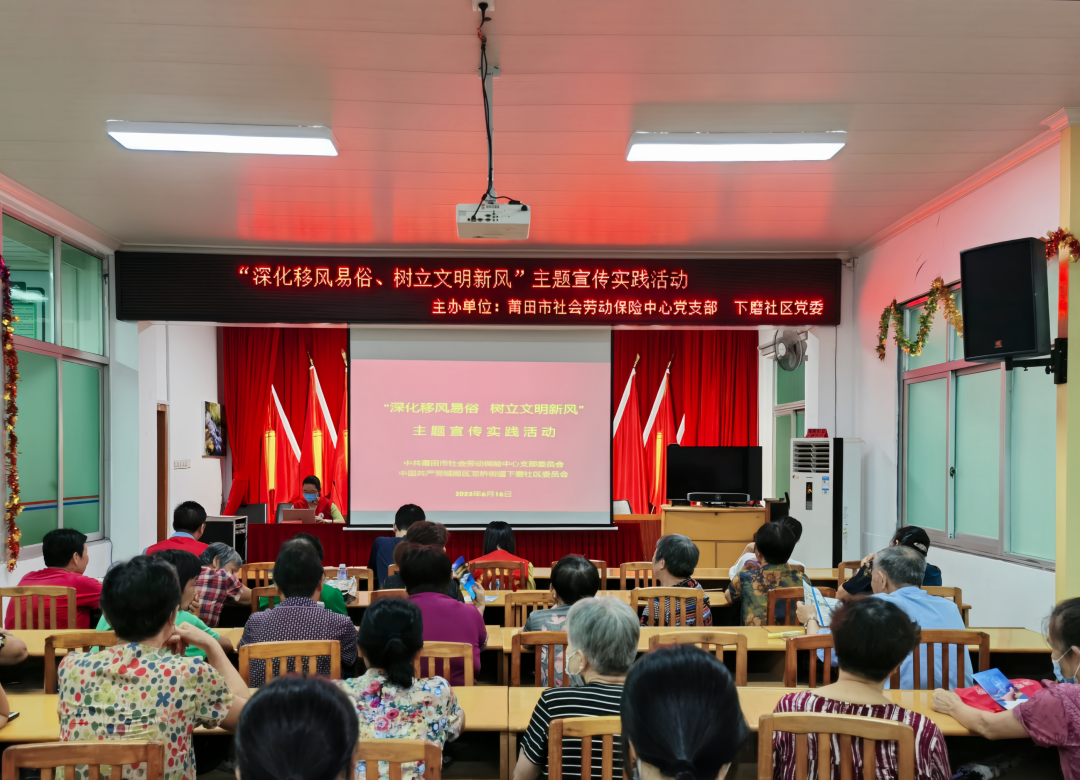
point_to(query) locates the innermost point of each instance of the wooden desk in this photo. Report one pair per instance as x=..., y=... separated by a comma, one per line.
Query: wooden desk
x=1015, y=640
x=756, y=637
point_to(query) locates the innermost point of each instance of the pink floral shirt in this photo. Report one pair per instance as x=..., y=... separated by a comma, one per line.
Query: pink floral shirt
x=1052, y=718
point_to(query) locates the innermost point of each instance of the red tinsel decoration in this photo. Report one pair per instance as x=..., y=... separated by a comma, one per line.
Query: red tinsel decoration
x=11, y=389
x=1056, y=238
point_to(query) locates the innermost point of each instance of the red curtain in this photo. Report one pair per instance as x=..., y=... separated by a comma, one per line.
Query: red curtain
x=714, y=380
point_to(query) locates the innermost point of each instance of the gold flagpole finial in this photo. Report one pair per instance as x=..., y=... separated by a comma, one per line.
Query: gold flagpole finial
x=346, y=359
x=636, y=359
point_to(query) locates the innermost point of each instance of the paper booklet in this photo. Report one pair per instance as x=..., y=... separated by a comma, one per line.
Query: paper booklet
x=823, y=605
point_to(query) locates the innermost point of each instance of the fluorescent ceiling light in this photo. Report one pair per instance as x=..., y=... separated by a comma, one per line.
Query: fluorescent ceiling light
x=226, y=139
x=734, y=147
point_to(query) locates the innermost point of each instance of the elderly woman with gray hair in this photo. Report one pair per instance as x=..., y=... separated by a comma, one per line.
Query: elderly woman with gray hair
x=218, y=582
x=602, y=635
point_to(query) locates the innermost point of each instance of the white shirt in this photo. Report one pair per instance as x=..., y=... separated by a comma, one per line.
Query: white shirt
x=738, y=567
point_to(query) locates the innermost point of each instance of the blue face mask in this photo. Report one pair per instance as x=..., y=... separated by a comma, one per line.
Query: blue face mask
x=1057, y=669
x=310, y=497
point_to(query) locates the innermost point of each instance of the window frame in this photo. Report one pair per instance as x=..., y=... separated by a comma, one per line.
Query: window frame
x=790, y=409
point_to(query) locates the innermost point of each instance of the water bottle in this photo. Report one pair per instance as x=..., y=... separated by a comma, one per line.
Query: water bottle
x=342, y=575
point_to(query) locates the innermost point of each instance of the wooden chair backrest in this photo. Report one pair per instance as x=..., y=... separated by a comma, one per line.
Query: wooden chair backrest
x=797, y=567
x=711, y=642
x=397, y=752
x=790, y=596
x=667, y=606
x=537, y=640
x=947, y=592
x=270, y=593
x=31, y=598
x=640, y=572
x=79, y=640
x=813, y=643
x=261, y=573
x=297, y=652
x=445, y=651
x=392, y=569
x=517, y=606
x=392, y=593
x=361, y=573
x=953, y=643
x=606, y=727
x=870, y=730
x=94, y=755
x=845, y=570
x=601, y=568
x=488, y=573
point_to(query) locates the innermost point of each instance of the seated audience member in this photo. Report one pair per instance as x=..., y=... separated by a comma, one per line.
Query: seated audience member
x=382, y=549
x=909, y=536
x=331, y=597
x=603, y=638
x=572, y=579
x=298, y=574
x=431, y=535
x=749, y=560
x=66, y=558
x=872, y=637
x=1051, y=716
x=897, y=572
x=674, y=562
x=426, y=573
x=311, y=498
x=297, y=727
x=217, y=582
x=773, y=544
x=680, y=716
x=391, y=703
x=142, y=689
x=189, y=523
x=187, y=568
x=499, y=546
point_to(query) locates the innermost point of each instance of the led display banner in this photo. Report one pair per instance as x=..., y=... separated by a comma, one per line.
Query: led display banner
x=432, y=291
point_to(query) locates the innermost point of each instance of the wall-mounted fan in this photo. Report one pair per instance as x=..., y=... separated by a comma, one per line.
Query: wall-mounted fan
x=789, y=349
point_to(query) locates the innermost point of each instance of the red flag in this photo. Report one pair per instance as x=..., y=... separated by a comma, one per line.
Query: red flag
x=319, y=443
x=339, y=491
x=628, y=456
x=281, y=457
x=659, y=433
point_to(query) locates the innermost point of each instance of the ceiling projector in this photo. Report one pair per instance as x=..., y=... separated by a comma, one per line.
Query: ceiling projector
x=493, y=220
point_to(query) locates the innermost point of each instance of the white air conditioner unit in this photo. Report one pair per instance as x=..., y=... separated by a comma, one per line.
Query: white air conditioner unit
x=826, y=497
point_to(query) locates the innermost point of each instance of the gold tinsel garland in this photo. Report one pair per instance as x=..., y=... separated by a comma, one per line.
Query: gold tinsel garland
x=12, y=507
x=938, y=291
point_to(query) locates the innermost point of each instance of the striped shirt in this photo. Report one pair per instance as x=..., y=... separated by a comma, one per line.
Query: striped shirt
x=592, y=700
x=931, y=755
x=691, y=609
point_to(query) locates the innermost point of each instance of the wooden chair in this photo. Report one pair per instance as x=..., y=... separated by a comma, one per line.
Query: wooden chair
x=81, y=641
x=270, y=593
x=797, y=567
x=392, y=593
x=94, y=755
x=790, y=596
x=710, y=642
x=30, y=597
x=447, y=651
x=488, y=573
x=670, y=603
x=517, y=606
x=606, y=727
x=641, y=572
x=954, y=594
x=538, y=640
x=362, y=574
x=601, y=568
x=392, y=569
x=397, y=753
x=261, y=573
x=845, y=570
x=949, y=641
x=869, y=730
x=813, y=643
x=296, y=652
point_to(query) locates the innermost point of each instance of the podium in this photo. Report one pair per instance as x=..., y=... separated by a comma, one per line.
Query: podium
x=719, y=534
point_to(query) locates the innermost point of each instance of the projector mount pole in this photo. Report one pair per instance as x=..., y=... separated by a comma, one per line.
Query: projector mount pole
x=488, y=73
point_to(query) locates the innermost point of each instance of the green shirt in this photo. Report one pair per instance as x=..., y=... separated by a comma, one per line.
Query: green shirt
x=181, y=617
x=331, y=597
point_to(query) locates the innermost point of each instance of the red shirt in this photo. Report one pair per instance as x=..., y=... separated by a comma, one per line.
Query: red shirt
x=87, y=595
x=178, y=543
x=322, y=508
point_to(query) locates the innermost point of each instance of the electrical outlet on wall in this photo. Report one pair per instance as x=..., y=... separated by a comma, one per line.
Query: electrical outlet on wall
x=181, y=464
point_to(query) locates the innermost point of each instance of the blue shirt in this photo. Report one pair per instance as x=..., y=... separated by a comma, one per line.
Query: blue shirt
x=930, y=612
x=932, y=577
x=382, y=555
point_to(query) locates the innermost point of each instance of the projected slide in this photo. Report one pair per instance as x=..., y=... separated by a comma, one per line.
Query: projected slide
x=475, y=440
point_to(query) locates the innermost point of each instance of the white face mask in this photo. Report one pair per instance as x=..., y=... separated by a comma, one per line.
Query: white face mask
x=576, y=679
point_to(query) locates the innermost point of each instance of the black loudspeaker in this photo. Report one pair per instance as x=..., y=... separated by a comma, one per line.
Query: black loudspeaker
x=1005, y=304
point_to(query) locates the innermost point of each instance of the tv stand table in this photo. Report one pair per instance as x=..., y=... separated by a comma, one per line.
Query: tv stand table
x=719, y=534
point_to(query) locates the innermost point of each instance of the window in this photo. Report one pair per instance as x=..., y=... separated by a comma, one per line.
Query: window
x=28, y=252
x=789, y=421
x=978, y=447
x=81, y=299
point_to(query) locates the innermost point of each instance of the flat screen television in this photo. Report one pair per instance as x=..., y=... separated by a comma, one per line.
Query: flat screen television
x=713, y=470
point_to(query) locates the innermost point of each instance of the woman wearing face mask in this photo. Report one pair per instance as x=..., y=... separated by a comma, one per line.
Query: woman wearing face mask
x=681, y=718
x=602, y=636
x=311, y=498
x=1051, y=717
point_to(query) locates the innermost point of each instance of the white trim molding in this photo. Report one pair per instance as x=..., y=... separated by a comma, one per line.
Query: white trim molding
x=23, y=202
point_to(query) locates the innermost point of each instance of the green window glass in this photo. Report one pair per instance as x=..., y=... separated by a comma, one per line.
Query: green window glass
x=37, y=429
x=791, y=385
x=976, y=504
x=81, y=296
x=1033, y=464
x=29, y=253
x=782, y=455
x=933, y=351
x=926, y=421
x=82, y=447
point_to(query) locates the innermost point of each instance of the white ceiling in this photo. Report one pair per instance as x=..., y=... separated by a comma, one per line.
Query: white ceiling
x=930, y=91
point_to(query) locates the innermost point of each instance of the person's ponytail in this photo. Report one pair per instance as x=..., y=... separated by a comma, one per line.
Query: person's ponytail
x=391, y=634
x=398, y=662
